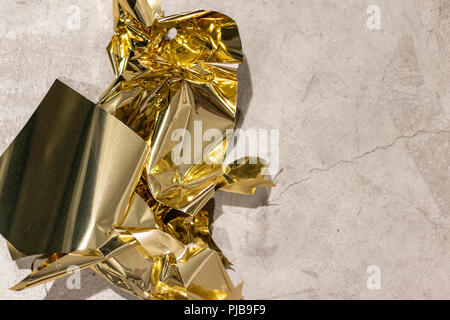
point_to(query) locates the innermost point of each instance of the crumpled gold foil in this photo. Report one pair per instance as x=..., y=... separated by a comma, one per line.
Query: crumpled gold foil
x=82, y=189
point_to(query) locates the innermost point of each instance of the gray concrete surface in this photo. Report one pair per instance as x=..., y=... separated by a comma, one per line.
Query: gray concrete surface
x=364, y=129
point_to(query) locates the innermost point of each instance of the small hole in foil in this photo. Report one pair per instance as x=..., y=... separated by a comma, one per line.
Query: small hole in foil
x=171, y=34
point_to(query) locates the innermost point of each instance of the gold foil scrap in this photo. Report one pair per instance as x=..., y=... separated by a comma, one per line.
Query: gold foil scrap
x=167, y=85
x=120, y=204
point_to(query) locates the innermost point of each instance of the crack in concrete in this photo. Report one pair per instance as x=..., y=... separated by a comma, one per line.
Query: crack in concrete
x=356, y=158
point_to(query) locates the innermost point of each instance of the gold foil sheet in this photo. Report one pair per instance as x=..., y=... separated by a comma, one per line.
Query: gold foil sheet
x=98, y=186
x=68, y=176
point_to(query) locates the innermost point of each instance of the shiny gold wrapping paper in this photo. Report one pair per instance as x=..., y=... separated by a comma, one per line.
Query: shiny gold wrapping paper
x=68, y=176
x=163, y=85
x=125, y=208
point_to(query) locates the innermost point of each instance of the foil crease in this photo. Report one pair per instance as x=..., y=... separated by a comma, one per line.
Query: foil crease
x=97, y=186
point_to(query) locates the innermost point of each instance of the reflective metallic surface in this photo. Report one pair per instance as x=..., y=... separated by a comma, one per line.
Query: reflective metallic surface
x=179, y=72
x=68, y=176
x=94, y=194
x=146, y=262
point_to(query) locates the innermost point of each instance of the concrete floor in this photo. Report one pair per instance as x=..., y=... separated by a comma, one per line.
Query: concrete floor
x=364, y=191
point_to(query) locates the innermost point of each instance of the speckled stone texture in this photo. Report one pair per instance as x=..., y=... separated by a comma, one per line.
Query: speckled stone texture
x=364, y=132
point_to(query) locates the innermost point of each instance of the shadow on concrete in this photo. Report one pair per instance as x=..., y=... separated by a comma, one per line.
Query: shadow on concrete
x=245, y=92
x=91, y=285
x=245, y=95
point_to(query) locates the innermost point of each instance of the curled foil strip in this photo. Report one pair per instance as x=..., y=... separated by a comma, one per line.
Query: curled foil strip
x=80, y=188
